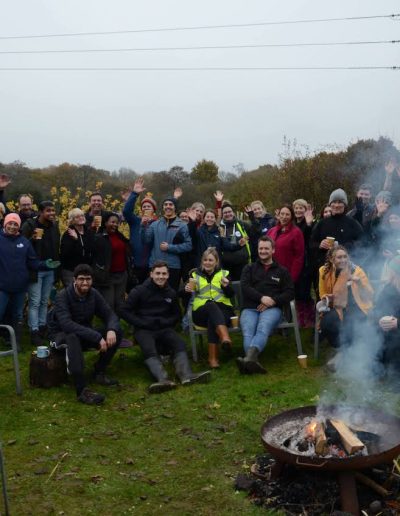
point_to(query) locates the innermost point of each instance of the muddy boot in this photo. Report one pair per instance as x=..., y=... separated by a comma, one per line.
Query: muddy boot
x=185, y=373
x=163, y=383
x=213, y=356
x=250, y=364
x=223, y=334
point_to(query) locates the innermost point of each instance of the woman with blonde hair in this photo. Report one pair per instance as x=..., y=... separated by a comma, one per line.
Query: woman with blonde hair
x=261, y=221
x=346, y=298
x=76, y=245
x=212, y=306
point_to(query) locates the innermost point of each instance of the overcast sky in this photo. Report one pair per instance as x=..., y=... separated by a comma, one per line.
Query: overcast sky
x=152, y=120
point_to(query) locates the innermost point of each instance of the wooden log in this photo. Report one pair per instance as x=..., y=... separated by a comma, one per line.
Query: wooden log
x=372, y=484
x=350, y=441
x=320, y=440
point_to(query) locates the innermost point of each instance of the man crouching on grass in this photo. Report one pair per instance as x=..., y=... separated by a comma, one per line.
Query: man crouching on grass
x=153, y=309
x=70, y=326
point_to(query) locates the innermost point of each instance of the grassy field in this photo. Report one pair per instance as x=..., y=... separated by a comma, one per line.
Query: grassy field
x=173, y=453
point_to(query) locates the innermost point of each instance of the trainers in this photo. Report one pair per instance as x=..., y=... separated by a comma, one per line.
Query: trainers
x=91, y=398
x=36, y=339
x=103, y=379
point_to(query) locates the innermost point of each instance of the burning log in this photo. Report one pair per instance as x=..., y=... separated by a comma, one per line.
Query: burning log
x=350, y=441
x=320, y=440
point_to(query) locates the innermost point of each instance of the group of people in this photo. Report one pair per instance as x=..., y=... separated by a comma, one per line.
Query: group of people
x=189, y=258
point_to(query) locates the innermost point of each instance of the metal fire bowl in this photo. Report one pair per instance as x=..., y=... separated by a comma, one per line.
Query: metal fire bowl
x=390, y=447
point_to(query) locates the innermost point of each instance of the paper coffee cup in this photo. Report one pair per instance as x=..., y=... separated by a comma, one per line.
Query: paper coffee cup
x=39, y=233
x=387, y=318
x=331, y=241
x=192, y=283
x=235, y=321
x=97, y=220
x=147, y=213
x=302, y=361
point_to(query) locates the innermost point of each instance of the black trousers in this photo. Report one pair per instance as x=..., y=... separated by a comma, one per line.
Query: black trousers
x=75, y=359
x=159, y=342
x=211, y=315
x=174, y=278
x=343, y=333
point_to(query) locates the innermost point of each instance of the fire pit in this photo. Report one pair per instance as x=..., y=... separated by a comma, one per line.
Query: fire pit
x=278, y=431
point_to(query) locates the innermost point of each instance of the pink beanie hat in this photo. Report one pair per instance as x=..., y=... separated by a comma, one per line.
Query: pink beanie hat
x=12, y=217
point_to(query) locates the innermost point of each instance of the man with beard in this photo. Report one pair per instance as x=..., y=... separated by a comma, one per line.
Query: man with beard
x=70, y=326
x=153, y=309
x=169, y=238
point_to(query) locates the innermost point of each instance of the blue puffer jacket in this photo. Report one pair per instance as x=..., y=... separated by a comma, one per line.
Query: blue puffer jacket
x=17, y=258
x=175, y=233
x=140, y=250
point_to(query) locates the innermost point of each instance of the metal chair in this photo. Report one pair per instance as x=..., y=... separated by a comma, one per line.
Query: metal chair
x=4, y=483
x=289, y=320
x=14, y=353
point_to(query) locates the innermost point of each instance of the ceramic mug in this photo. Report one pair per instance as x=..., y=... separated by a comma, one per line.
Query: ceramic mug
x=42, y=351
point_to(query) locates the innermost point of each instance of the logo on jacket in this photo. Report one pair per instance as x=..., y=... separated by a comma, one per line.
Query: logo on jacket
x=276, y=279
x=168, y=300
x=20, y=245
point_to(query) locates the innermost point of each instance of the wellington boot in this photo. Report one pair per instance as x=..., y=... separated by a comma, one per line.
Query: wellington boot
x=213, y=356
x=160, y=374
x=250, y=364
x=223, y=334
x=185, y=373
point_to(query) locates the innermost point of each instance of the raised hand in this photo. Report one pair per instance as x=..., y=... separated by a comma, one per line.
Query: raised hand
x=248, y=209
x=5, y=180
x=138, y=186
x=309, y=215
x=178, y=192
x=219, y=196
x=390, y=166
x=191, y=214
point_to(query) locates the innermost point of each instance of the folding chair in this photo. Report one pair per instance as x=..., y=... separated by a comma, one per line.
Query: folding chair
x=4, y=483
x=14, y=353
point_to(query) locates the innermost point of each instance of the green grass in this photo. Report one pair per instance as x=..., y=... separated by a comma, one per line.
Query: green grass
x=173, y=453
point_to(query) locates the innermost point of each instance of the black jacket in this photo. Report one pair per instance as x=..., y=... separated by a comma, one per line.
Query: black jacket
x=346, y=230
x=74, y=314
x=151, y=307
x=75, y=251
x=255, y=283
x=102, y=257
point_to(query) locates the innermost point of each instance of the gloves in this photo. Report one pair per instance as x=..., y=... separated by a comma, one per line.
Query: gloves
x=52, y=264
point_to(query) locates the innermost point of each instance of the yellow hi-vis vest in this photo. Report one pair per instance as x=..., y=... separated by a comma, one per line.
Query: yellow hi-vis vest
x=243, y=232
x=212, y=291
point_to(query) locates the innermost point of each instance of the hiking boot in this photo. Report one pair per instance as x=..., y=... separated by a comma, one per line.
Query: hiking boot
x=36, y=339
x=90, y=397
x=103, y=379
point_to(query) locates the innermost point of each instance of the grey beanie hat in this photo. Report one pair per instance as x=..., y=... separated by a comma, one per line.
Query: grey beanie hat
x=338, y=195
x=384, y=195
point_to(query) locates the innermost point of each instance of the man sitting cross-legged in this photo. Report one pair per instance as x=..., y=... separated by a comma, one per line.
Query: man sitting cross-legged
x=266, y=287
x=153, y=309
x=70, y=325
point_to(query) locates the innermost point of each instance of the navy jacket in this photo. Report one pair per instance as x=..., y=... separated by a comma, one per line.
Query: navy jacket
x=206, y=238
x=17, y=258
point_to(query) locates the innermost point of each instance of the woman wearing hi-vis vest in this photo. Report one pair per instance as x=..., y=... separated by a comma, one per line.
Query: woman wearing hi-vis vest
x=212, y=307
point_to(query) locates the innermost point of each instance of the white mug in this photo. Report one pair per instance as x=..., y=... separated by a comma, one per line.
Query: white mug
x=42, y=352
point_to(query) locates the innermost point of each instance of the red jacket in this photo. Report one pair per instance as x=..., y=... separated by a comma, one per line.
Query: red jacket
x=289, y=248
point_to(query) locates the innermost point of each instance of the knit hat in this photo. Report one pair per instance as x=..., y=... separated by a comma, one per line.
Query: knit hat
x=338, y=195
x=394, y=265
x=12, y=217
x=150, y=200
x=170, y=199
x=384, y=195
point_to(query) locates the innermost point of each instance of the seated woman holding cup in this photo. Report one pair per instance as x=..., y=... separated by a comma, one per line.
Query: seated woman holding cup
x=346, y=297
x=387, y=315
x=212, y=306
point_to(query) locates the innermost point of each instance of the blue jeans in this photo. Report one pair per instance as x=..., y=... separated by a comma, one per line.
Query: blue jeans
x=39, y=294
x=14, y=301
x=258, y=326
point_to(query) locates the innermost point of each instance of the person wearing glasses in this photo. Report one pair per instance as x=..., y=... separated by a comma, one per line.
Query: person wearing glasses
x=70, y=327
